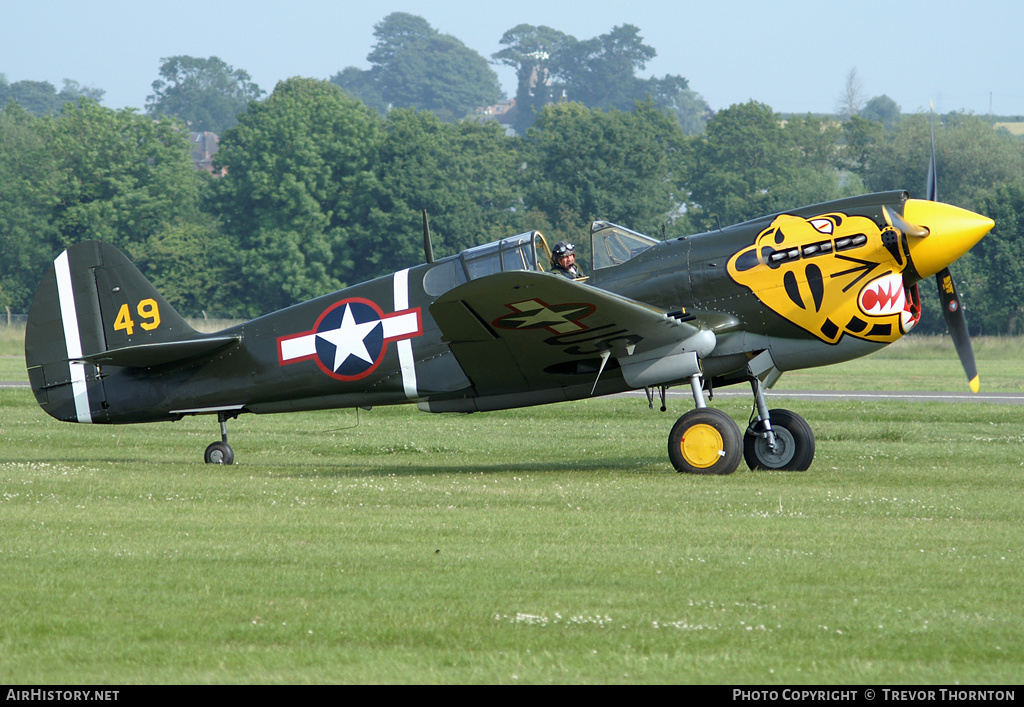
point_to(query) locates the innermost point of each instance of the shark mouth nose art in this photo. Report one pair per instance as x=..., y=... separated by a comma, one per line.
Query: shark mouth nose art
x=883, y=296
x=888, y=295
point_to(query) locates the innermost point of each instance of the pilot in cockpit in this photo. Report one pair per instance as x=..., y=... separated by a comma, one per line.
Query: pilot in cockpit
x=563, y=260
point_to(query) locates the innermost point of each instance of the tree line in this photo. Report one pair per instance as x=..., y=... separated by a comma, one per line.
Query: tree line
x=414, y=65
x=321, y=189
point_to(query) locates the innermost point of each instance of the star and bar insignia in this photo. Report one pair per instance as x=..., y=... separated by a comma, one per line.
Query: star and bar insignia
x=350, y=338
x=537, y=314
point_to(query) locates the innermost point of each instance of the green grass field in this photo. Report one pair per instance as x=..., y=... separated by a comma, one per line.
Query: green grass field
x=552, y=544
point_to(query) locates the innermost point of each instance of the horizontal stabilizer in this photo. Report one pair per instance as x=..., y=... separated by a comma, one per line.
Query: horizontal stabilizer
x=150, y=355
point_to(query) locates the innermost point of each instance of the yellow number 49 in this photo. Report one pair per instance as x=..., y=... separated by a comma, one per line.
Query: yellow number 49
x=147, y=309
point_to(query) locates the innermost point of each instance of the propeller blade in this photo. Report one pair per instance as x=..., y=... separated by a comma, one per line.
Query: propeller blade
x=894, y=219
x=932, y=185
x=952, y=310
x=956, y=323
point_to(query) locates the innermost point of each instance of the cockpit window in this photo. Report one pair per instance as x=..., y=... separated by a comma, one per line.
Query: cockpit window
x=515, y=253
x=448, y=273
x=614, y=245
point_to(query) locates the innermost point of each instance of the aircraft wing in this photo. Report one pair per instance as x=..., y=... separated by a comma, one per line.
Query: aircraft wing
x=518, y=331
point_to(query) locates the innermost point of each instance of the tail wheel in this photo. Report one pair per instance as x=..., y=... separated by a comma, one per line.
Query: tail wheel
x=219, y=453
x=705, y=441
x=794, y=443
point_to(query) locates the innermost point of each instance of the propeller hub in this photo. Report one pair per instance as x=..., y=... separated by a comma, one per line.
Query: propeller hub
x=952, y=231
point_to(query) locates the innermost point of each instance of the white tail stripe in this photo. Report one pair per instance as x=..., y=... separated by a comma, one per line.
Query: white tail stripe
x=72, y=337
x=406, y=360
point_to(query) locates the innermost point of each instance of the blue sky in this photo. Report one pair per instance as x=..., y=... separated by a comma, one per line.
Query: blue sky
x=793, y=55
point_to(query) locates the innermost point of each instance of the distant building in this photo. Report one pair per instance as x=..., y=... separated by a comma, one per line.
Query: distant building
x=502, y=112
x=497, y=110
x=204, y=147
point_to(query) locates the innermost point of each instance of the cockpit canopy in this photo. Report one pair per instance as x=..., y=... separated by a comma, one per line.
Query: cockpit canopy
x=514, y=253
x=614, y=245
x=611, y=245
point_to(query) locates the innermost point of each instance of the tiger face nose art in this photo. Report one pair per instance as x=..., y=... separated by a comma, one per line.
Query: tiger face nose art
x=832, y=275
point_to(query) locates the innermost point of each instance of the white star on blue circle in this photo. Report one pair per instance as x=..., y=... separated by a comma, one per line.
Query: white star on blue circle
x=350, y=339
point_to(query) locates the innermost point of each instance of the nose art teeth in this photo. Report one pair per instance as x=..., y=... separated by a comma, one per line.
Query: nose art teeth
x=885, y=296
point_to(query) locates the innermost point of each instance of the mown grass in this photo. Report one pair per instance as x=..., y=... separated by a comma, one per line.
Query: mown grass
x=552, y=544
x=922, y=363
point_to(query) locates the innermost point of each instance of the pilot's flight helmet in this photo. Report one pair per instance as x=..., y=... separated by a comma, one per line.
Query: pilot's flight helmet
x=561, y=249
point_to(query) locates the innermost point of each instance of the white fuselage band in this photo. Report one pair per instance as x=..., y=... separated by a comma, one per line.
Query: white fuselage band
x=72, y=337
x=406, y=360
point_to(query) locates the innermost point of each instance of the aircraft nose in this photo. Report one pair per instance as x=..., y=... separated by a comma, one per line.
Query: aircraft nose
x=952, y=231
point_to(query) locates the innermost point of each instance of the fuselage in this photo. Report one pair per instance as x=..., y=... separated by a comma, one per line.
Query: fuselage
x=815, y=286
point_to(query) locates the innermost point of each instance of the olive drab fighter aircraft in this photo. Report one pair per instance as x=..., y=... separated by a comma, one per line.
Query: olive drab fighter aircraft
x=493, y=328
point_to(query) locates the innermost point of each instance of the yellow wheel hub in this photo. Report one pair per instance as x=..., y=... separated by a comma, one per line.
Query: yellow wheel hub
x=702, y=446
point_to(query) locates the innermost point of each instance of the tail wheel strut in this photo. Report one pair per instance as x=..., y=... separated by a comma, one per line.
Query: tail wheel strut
x=220, y=452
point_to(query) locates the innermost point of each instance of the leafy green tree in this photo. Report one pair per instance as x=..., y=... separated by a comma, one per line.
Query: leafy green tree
x=971, y=158
x=127, y=176
x=861, y=138
x=991, y=276
x=819, y=174
x=601, y=72
x=741, y=162
x=189, y=263
x=90, y=173
x=583, y=164
x=464, y=175
x=882, y=109
x=673, y=94
x=72, y=91
x=207, y=94
x=300, y=184
x=395, y=34
x=37, y=97
x=29, y=185
x=816, y=141
x=532, y=51
x=40, y=98
x=415, y=66
x=361, y=84
x=749, y=163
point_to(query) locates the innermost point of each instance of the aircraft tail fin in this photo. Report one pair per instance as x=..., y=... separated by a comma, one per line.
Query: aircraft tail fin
x=94, y=308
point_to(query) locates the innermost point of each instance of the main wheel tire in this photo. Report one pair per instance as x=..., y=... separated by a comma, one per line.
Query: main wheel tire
x=794, y=448
x=705, y=441
x=219, y=453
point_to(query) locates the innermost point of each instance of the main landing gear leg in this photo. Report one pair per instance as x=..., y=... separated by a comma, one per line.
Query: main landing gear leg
x=761, y=405
x=220, y=452
x=704, y=440
x=776, y=439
